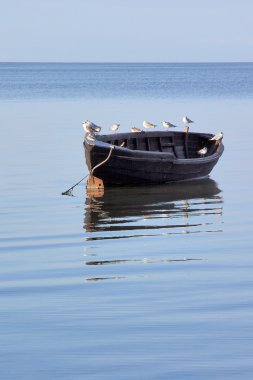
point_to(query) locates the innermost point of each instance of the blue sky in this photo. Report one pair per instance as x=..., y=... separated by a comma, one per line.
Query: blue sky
x=131, y=30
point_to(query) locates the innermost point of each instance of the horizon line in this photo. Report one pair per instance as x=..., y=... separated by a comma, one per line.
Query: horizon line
x=124, y=62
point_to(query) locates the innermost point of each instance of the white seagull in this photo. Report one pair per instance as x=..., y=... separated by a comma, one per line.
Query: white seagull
x=148, y=125
x=96, y=129
x=217, y=137
x=202, y=151
x=186, y=120
x=114, y=127
x=87, y=128
x=167, y=124
x=91, y=137
x=135, y=130
x=91, y=127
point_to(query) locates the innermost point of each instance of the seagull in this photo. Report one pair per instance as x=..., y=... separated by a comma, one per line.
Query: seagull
x=87, y=128
x=91, y=127
x=167, y=124
x=136, y=130
x=148, y=125
x=96, y=129
x=202, y=151
x=186, y=120
x=90, y=137
x=217, y=137
x=114, y=127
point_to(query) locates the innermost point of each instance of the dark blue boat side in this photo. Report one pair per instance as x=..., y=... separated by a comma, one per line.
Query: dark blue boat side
x=151, y=157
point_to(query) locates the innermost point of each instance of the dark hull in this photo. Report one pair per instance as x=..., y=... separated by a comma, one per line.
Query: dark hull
x=139, y=167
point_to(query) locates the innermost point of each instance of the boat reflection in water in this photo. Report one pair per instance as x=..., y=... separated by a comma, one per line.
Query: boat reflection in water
x=148, y=212
x=184, y=207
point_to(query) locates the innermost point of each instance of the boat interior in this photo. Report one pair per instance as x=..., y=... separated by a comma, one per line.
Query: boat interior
x=179, y=144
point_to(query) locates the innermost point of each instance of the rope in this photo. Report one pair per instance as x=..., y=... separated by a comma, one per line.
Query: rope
x=103, y=162
x=69, y=191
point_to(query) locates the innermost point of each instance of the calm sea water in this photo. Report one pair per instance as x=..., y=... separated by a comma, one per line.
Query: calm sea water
x=153, y=282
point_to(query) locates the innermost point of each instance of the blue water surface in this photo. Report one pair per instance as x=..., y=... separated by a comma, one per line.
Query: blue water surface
x=151, y=282
x=125, y=80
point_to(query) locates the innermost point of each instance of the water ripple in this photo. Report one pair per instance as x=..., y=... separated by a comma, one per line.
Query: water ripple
x=193, y=206
x=146, y=217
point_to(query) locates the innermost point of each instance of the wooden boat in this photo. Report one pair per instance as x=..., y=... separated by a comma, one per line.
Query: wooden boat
x=151, y=157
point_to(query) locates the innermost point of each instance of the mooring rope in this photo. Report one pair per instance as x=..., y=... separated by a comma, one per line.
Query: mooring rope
x=69, y=191
x=103, y=162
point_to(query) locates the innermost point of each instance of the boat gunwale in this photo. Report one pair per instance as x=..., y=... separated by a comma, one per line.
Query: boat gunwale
x=142, y=155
